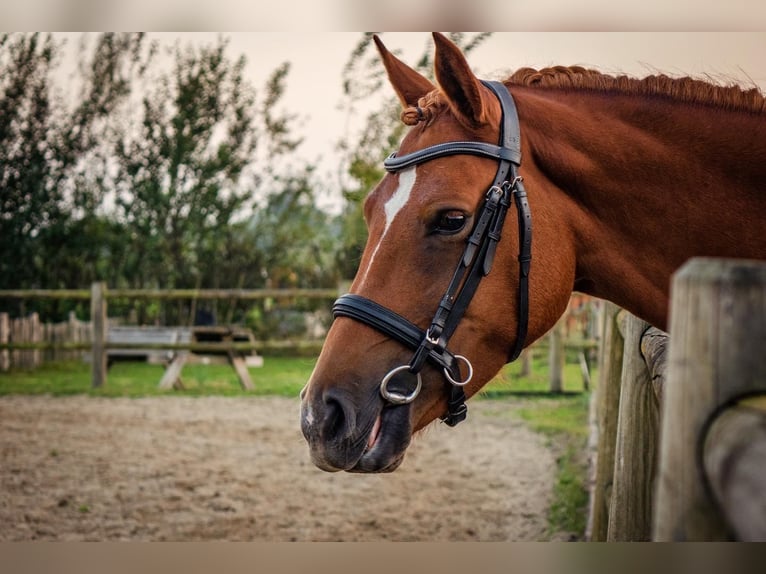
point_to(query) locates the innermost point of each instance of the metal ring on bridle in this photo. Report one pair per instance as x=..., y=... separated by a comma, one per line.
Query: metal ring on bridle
x=467, y=379
x=393, y=396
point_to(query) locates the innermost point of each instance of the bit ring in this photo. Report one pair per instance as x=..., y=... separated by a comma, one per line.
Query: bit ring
x=467, y=379
x=395, y=397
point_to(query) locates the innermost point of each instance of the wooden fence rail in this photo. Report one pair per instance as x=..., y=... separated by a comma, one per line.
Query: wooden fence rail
x=25, y=342
x=56, y=345
x=682, y=420
x=243, y=294
x=637, y=437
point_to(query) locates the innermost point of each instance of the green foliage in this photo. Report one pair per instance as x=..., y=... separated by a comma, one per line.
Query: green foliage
x=144, y=172
x=180, y=175
x=47, y=205
x=295, y=240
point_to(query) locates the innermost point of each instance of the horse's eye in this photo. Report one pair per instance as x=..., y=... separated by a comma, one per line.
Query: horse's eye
x=450, y=222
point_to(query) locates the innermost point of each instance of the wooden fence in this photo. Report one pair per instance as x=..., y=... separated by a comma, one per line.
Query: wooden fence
x=27, y=347
x=25, y=342
x=681, y=422
x=54, y=341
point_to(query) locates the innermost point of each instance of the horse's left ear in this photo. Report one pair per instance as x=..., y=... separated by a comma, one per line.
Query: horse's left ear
x=463, y=89
x=408, y=84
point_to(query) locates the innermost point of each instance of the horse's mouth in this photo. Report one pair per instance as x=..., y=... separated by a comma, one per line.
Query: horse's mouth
x=387, y=441
x=377, y=446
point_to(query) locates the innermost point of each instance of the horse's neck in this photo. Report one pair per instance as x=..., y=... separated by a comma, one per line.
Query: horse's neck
x=645, y=186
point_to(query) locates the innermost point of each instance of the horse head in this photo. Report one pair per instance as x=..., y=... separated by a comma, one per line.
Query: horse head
x=388, y=367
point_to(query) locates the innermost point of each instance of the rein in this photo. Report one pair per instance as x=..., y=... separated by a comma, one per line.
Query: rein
x=476, y=263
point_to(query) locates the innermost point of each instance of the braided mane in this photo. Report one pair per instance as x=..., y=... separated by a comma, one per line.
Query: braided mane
x=731, y=97
x=686, y=89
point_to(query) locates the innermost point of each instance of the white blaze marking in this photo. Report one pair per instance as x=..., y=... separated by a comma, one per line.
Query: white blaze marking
x=393, y=206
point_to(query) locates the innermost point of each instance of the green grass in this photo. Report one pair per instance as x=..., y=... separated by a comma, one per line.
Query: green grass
x=564, y=421
x=279, y=376
x=509, y=381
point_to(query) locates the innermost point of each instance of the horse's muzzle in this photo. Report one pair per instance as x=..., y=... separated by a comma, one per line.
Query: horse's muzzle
x=351, y=435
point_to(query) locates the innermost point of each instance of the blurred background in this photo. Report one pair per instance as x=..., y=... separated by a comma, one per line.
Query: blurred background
x=211, y=160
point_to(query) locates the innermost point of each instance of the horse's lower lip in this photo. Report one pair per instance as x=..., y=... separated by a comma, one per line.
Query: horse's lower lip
x=364, y=466
x=371, y=463
x=387, y=442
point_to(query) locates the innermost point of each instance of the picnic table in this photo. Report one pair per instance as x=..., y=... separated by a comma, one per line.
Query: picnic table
x=174, y=360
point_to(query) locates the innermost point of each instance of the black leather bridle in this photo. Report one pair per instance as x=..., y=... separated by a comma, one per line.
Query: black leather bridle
x=475, y=263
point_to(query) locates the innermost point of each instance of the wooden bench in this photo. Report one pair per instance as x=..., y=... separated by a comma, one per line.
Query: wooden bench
x=174, y=360
x=145, y=335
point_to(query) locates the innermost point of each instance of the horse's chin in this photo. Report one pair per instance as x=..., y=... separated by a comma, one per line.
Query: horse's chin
x=373, y=466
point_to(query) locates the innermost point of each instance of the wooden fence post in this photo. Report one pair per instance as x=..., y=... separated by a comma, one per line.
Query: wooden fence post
x=557, y=356
x=718, y=337
x=71, y=334
x=98, y=317
x=35, y=336
x=635, y=456
x=607, y=397
x=5, y=335
x=526, y=362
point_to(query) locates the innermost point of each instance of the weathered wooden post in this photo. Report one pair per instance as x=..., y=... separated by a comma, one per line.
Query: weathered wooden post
x=5, y=335
x=35, y=336
x=526, y=362
x=635, y=456
x=98, y=317
x=734, y=457
x=718, y=339
x=556, y=357
x=72, y=334
x=607, y=399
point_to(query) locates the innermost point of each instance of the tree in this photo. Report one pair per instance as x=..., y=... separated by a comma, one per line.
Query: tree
x=187, y=171
x=293, y=238
x=43, y=145
x=27, y=193
x=164, y=172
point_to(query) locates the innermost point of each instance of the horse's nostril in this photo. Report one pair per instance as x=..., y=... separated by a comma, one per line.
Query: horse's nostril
x=338, y=419
x=333, y=420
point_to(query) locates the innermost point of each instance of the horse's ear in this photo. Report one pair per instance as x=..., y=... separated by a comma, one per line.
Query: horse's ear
x=408, y=84
x=463, y=89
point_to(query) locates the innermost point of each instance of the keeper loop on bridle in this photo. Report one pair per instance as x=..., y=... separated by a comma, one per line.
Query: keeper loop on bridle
x=477, y=260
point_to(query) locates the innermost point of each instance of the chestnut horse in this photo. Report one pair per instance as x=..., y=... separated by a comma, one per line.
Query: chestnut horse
x=627, y=179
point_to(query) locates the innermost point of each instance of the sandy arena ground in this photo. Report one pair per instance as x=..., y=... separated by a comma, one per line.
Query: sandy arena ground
x=190, y=469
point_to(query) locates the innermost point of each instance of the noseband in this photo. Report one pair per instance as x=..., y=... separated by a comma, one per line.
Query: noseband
x=476, y=263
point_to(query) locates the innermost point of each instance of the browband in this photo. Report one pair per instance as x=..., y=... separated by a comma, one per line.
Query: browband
x=393, y=163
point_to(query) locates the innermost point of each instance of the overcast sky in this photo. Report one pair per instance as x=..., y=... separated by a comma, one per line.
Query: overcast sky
x=314, y=82
x=314, y=85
